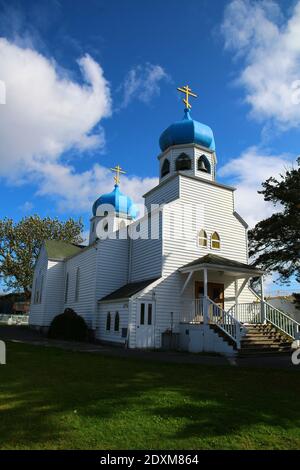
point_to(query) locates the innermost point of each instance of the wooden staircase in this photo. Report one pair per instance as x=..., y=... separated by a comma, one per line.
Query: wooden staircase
x=263, y=339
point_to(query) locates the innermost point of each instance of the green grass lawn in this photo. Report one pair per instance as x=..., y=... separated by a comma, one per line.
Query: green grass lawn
x=55, y=399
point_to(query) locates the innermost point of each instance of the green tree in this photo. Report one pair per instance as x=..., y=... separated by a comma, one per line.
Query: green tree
x=296, y=301
x=275, y=242
x=20, y=244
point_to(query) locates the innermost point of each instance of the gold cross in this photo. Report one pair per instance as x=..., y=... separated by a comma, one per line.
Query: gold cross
x=118, y=170
x=188, y=92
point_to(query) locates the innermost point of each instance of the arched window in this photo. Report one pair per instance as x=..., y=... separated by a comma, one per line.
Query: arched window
x=108, y=321
x=215, y=241
x=183, y=162
x=67, y=288
x=165, y=169
x=202, y=238
x=117, y=322
x=77, y=285
x=203, y=164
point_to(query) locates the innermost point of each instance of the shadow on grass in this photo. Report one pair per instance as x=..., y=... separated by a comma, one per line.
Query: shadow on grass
x=60, y=399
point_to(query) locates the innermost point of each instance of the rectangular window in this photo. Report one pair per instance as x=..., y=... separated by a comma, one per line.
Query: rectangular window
x=142, y=314
x=149, y=314
x=41, y=289
x=77, y=285
x=67, y=288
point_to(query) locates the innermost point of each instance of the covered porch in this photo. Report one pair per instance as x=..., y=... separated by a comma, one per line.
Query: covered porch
x=215, y=292
x=213, y=283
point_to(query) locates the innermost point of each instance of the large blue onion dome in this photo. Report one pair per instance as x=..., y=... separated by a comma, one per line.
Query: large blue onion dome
x=122, y=203
x=187, y=131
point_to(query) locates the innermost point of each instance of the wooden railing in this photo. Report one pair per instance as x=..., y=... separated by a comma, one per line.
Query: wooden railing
x=192, y=311
x=281, y=321
x=225, y=321
x=204, y=310
x=261, y=312
x=247, y=312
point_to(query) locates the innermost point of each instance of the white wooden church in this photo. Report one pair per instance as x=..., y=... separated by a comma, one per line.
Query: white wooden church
x=176, y=276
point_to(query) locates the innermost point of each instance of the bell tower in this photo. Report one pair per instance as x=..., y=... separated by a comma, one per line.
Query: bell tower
x=187, y=146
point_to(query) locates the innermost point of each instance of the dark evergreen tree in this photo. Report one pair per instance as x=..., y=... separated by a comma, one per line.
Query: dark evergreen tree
x=275, y=242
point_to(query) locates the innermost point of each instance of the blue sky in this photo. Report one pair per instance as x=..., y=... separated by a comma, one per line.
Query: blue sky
x=241, y=57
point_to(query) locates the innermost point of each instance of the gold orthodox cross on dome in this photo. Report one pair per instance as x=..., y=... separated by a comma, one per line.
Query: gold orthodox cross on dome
x=118, y=170
x=188, y=92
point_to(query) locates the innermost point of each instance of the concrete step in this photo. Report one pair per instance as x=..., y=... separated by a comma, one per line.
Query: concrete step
x=245, y=343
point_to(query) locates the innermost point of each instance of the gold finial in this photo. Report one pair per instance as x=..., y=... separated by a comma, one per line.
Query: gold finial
x=118, y=170
x=188, y=92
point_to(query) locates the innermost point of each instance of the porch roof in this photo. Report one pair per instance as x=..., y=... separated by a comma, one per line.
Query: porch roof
x=127, y=291
x=217, y=263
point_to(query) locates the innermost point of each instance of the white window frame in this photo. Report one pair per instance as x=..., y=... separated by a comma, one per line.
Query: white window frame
x=211, y=241
x=202, y=238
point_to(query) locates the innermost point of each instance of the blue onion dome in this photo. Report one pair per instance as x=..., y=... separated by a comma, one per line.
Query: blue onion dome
x=122, y=203
x=187, y=131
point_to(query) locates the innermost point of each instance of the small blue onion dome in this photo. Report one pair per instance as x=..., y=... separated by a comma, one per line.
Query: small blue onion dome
x=122, y=203
x=187, y=131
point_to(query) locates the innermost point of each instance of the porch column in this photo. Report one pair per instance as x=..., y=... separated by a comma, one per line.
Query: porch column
x=205, y=303
x=262, y=293
x=236, y=291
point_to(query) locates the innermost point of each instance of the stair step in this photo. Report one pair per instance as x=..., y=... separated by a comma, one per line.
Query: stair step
x=265, y=352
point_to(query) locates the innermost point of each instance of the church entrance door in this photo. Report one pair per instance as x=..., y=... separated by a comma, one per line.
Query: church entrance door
x=145, y=325
x=215, y=292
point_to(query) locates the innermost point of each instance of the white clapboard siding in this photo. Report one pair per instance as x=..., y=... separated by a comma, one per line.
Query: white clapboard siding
x=112, y=336
x=111, y=266
x=217, y=215
x=165, y=192
x=85, y=304
x=55, y=291
x=145, y=252
x=36, y=315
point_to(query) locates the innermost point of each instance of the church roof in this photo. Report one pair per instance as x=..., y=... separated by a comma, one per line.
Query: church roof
x=121, y=203
x=128, y=290
x=187, y=131
x=58, y=249
x=219, y=261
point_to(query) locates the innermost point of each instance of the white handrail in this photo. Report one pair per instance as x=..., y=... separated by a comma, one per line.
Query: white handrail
x=249, y=312
x=204, y=310
x=225, y=321
x=282, y=321
x=259, y=312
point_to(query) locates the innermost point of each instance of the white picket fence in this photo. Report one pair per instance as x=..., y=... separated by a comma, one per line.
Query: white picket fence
x=14, y=319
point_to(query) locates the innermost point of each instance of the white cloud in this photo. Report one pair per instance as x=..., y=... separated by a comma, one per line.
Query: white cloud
x=46, y=113
x=77, y=191
x=269, y=46
x=142, y=83
x=247, y=172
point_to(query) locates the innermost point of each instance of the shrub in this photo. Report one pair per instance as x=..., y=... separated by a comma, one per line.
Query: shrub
x=68, y=326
